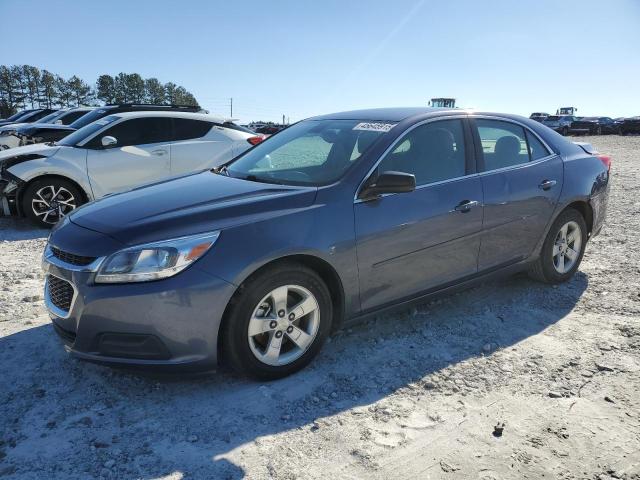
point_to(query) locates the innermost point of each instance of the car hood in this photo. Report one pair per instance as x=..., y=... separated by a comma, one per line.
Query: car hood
x=41, y=149
x=188, y=205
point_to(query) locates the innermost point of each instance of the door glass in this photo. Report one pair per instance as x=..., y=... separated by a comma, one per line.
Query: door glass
x=503, y=144
x=140, y=131
x=433, y=152
x=536, y=149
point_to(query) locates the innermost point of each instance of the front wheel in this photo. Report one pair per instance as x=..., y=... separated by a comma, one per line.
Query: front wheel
x=47, y=200
x=563, y=248
x=277, y=322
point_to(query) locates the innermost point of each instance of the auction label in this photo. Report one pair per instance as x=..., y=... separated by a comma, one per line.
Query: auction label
x=374, y=126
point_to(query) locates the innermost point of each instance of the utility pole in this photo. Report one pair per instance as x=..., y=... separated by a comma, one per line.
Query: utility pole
x=231, y=106
x=283, y=119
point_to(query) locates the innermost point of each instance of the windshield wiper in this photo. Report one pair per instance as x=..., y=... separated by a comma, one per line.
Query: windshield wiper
x=222, y=170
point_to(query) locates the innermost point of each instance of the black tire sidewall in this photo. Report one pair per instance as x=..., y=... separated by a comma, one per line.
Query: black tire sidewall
x=235, y=345
x=36, y=185
x=551, y=275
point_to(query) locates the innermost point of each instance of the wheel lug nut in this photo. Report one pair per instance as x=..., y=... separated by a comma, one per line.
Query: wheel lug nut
x=273, y=324
x=292, y=316
x=278, y=334
x=289, y=329
x=281, y=313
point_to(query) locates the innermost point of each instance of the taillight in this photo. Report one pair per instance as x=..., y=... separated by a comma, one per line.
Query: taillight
x=606, y=159
x=255, y=140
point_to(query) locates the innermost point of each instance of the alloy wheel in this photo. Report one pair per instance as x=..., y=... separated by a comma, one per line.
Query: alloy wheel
x=283, y=325
x=567, y=247
x=51, y=203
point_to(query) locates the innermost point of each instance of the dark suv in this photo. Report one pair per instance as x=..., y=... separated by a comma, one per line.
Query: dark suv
x=53, y=132
x=559, y=123
x=629, y=125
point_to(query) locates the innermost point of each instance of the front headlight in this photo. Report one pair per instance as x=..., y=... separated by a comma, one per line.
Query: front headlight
x=153, y=261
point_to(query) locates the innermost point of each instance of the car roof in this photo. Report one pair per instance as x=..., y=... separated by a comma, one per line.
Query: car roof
x=400, y=114
x=167, y=113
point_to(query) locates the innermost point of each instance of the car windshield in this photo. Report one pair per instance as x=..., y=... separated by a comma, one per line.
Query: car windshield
x=552, y=118
x=312, y=152
x=89, y=118
x=79, y=135
x=589, y=119
x=16, y=116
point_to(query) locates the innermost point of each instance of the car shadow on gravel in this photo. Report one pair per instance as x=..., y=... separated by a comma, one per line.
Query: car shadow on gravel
x=12, y=228
x=72, y=418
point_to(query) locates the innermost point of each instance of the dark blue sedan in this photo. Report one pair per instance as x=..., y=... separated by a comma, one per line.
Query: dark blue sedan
x=332, y=219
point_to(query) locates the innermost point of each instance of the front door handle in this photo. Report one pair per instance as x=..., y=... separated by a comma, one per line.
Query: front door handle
x=547, y=184
x=466, y=205
x=159, y=152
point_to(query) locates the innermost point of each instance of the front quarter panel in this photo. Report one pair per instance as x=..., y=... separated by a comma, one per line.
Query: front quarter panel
x=68, y=162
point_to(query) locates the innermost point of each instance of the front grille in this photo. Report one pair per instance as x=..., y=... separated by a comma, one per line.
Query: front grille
x=70, y=257
x=60, y=292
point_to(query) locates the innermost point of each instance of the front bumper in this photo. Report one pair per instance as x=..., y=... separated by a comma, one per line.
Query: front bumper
x=171, y=323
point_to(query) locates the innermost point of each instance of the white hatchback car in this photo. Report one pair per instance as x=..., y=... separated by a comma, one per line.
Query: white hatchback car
x=116, y=153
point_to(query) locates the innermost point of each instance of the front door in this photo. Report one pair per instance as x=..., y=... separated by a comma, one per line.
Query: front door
x=141, y=155
x=409, y=243
x=521, y=180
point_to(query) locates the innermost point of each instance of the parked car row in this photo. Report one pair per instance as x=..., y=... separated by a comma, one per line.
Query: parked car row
x=109, y=150
x=573, y=125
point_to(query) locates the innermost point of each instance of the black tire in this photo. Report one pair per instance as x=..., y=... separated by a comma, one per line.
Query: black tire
x=544, y=269
x=236, y=351
x=38, y=191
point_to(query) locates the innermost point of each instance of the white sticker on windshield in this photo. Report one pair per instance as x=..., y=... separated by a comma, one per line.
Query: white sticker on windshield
x=374, y=126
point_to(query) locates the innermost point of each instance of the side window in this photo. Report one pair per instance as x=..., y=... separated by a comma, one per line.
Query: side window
x=185, y=129
x=139, y=131
x=432, y=152
x=503, y=144
x=536, y=149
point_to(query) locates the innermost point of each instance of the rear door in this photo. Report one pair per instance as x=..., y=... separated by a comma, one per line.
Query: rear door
x=409, y=243
x=142, y=155
x=198, y=145
x=521, y=180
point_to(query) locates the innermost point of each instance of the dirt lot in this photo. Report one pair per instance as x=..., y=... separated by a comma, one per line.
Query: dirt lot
x=415, y=394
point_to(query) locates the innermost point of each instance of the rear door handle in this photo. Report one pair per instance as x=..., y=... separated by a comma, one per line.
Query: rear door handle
x=466, y=205
x=159, y=152
x=547, y=184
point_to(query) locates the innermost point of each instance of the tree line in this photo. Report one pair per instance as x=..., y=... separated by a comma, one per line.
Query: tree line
x=25, y=86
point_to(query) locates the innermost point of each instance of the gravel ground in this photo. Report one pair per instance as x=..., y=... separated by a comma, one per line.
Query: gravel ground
x=414, y=394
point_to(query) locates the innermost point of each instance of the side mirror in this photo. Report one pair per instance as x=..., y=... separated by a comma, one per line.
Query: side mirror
x=109, y=141
x=388, y=182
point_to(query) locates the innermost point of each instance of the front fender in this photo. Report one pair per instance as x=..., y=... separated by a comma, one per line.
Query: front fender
x=62, y=167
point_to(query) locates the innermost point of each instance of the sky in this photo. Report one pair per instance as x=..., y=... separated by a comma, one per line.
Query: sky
x=301, y=58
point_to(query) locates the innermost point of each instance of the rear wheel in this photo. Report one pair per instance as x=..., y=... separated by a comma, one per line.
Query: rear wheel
x=563, y=248
x=47, y=200
x=277, y=323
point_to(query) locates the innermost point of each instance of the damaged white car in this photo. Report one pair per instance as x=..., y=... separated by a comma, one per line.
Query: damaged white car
x=119, y=152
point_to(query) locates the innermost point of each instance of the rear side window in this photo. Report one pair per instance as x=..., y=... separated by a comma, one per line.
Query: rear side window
x=185, y=128
x=503, y=144
x=433, y=152
x=536, y=149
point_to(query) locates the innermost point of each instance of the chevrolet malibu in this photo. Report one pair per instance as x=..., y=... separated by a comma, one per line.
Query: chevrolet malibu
x=335, y=218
